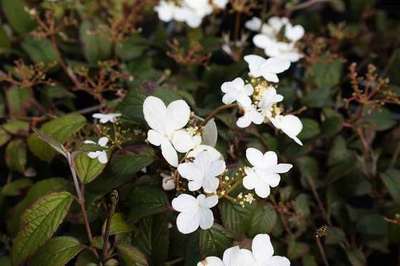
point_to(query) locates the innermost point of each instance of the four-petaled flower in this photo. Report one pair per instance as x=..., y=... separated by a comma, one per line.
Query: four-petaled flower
x=203, y=171
x=264, y=173
x=167, y=125
x=101, y=155
x=194, y=212
x=105, y=118
x=237, y=90
x=266, y=68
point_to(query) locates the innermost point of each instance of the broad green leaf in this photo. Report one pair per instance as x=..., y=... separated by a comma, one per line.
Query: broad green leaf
x=5, y=43
x=146, y=201
x=86, y=258
x=16, y=155
x=297, y=249
x=40, y=50
x=301, y=205
x=96, y=40
x=132, y=106
x=262, y=220
x=234, y=217
x=326, y=72
x=338, y=152
x=373, y=225
x=16, y=15
x=310, y=129
x=391, y=179
x=214, y=241
x=38, y=190
x=60, y=129
x=152, y=238
x=131, y=256
x=119, y=225
x=132, y=47
x=381, y=119
x=16, y=126
x=4, y=137
x=14, y=188
x=356, y=257
x=121, y=168
x=40, y=222
x=17, y=100
x=334, y=236
x=87, y=168
x=57, y=252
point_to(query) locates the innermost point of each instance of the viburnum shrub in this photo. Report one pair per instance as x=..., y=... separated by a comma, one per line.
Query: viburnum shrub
x=199, y=132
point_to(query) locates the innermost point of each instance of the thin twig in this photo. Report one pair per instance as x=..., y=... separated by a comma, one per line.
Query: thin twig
x=321, y=250
x=318, y=199
x=218, y=110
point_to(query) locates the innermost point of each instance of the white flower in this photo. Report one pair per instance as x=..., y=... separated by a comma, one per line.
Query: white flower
x=203, y=171
x=290, y=125
x=194, y=212
x=270, y=40
x=200, y=148
x=263, y=252
x=266, y=68
x=233, y=256
x=237, y=90
x=105, y=118
x=264, y=173
x=274, y=48
x=101, y=155
x=251, y=115
x=166, y=125
x=253, y=24
x=168, y=182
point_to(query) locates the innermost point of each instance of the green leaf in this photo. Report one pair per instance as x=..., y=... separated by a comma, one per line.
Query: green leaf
x=40, y=50
x=16, y=15
x=310, y=129
x=16, y=187
x=131, y=255
x=17, y=100
x=132, y=106
x=356, y=257
x=121, y=169
x=334, y=236
x=326, y=72
x=96, y=40
x=86, y=258
x=5, y=43
x=4, y=137
x=234, y=217
x=16, y=155
x=60, y=129
x=16, y=127
x=263, y=220
x=87, y=168
x=214, y=241
x=38, y=190
x=391, y=179
x=297, y=249
x=57, y=252
x=373, y=225
x=40, y=222
x=132, y=47
x=119, y=225
x=381, y=119
x=145, y=201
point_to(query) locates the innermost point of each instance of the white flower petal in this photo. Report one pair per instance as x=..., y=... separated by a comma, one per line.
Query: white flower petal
x=294, y=33
x=250, y=181
x=169, y=153
x=187, y=222
x=178, y=114
x=210, y=133
x=154, y=111
x=255, y=157
x=103, y=141
x=182, y=141
x=262, y=191
x=155, y=137
x=103, y=157
x=93, y=154
x=254, y=24
x=262, y=248
x=217, y=167
x=283, y=168
x=184, y=203
x=270, y=159
x=278, y=261
x=211, y=261
x=206, y=219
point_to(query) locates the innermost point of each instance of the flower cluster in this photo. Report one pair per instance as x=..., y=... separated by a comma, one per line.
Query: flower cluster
x=258, y=99
x=188, y=11
x=278, y=37
x=262, y=254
